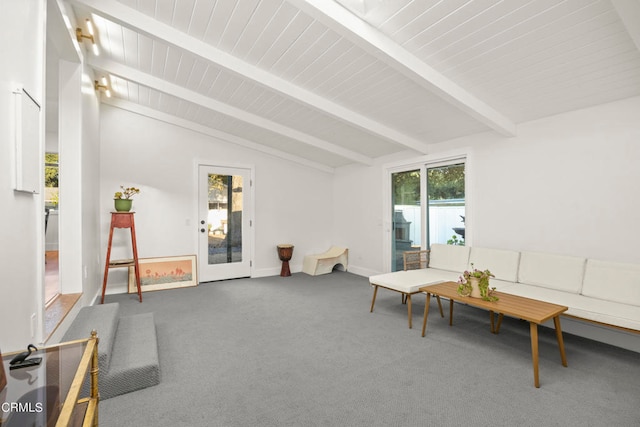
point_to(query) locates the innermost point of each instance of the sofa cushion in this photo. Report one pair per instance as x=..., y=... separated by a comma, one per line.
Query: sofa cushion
x=500, y=285
x=449, y=257
x=612, y=281
x=410, y=281
x=560, y=272
x=502, y=263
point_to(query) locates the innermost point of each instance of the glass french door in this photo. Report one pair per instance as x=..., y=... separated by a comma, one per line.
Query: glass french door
x=406, y=215
x=224, y=243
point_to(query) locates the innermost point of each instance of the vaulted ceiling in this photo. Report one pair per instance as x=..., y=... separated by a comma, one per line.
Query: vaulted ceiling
x=329, y=83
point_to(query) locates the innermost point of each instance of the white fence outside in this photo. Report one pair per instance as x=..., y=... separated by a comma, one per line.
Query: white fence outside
x=443, y=218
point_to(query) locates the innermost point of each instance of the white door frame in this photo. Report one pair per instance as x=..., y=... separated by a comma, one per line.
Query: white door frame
x=248, y=211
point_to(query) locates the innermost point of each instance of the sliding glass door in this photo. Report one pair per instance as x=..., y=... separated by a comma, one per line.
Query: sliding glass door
x=428, y=205
x=406, y=214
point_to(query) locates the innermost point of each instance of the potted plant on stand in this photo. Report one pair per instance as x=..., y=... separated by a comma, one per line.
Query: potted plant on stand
x=123, y=199
x=475, y=283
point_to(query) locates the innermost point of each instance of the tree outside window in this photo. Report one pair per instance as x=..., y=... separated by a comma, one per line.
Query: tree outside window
x=51, y=180
x=446, y=198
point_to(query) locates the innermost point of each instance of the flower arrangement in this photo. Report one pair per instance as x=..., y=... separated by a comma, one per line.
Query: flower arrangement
x=126, y=193
x=465, y=288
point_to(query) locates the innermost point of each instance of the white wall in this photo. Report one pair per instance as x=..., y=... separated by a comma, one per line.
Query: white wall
x=565, y=184
x=292, y=201
x=21, y=216
x=92, y=267
x=357, y=216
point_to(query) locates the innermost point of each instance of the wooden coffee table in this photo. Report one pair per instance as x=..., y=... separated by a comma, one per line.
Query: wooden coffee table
x=534, y=311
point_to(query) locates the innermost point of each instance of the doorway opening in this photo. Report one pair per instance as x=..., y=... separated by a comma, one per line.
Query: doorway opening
x=51, y=199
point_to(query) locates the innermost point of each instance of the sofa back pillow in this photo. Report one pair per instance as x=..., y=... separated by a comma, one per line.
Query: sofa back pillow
x=560, y=272
x=612, y=281
x=502, y=263
x=449, y=257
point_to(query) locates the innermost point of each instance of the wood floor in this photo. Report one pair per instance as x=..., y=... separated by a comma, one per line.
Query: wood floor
x=57, y=305
x=57, y=311
x=51, y=276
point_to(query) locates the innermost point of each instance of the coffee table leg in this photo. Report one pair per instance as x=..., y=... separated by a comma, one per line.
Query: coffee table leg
x=440, y=306
x=409, y=308
x=373, y=301
x=534, y=352
x=450, y=312
x=563, y=356
x=491, y=318
x=500, y=316
x=426, y=313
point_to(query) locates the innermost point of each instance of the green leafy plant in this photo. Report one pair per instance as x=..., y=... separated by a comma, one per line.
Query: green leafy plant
x=464, y=283
x=126, y=193
x=455, y=241
x=55, y=199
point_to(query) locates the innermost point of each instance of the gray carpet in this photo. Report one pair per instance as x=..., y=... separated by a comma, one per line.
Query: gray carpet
x=305, y=351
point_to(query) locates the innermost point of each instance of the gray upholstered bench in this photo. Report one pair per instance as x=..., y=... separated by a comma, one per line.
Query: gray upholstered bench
x=127, y=351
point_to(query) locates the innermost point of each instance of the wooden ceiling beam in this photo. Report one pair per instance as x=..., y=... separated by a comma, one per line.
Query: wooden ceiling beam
x=161, y=85
x=143, y=24
x=374, y=42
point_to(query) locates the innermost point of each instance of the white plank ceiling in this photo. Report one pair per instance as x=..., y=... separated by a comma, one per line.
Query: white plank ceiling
x=330, y=83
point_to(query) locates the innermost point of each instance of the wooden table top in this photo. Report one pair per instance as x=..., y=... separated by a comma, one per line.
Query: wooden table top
x=512, y=305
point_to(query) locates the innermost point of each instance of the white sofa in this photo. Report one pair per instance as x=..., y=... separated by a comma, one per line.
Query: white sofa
x=598, y=291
